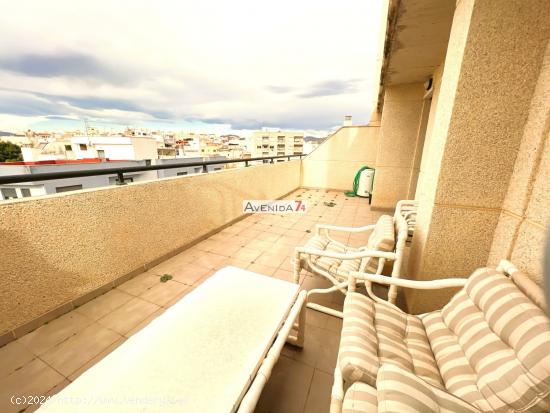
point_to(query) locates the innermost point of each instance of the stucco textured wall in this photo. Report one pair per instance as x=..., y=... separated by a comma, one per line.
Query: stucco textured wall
x=334, y=163
x=525, y=216
x=57, y=248
x=492, y=65
x=400, y=135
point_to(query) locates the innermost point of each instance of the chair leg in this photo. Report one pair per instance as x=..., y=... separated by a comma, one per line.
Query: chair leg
x=337, y=393
x=392, y=294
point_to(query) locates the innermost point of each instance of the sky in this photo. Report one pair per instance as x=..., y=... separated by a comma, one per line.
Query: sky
x=210, y=65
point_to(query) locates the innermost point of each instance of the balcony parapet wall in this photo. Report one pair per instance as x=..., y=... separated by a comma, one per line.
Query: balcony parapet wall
x=60, y=250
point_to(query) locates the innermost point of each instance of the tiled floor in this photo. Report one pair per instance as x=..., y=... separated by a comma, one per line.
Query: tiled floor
x=47, y=359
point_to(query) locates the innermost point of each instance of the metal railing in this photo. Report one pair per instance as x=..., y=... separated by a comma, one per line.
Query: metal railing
x=14, y=179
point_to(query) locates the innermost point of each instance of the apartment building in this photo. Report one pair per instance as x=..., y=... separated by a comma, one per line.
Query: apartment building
x=276, y=143
x=53, y=186
x=114, y=147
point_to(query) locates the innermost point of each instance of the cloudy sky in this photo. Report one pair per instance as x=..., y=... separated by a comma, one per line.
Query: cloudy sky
x=209, y=65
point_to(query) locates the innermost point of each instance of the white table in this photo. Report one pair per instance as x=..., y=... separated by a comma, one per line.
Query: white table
x=212, y=351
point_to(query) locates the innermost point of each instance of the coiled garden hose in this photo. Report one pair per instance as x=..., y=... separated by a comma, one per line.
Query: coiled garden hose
x=353, y=192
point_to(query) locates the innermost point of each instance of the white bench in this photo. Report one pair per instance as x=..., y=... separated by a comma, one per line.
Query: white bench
x=213, y=351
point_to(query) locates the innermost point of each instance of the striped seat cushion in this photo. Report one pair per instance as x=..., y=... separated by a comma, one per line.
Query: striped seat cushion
x=376, y=333
x=382, y=238
x=336, y=267
x=492, y=345
x=399, y=391
x=360, y=398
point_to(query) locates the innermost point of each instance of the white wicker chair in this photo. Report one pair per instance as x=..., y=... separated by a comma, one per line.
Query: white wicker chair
x=408, y=209
x=334, y=260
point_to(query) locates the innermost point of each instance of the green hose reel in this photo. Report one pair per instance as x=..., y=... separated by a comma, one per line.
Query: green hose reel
x=353, y=192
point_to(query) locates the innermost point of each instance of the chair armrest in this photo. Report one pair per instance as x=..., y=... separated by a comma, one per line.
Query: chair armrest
x=415, y=284
x=328, y=228
x=348, y=256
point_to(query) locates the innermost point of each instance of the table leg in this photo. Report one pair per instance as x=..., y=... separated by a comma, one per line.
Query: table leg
x=300, y=323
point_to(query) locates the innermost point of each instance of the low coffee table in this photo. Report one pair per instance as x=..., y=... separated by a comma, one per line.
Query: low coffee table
x=212, y=351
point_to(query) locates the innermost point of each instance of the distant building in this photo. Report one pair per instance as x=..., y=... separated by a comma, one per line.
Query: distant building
x=114, y=147
x=117, y=148
x=27, y=189
x=311, y=143
x=276, y=143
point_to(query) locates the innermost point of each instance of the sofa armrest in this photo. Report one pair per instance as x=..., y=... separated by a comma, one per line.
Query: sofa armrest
x=415, y=284
x=346, y=256
x=329, y=228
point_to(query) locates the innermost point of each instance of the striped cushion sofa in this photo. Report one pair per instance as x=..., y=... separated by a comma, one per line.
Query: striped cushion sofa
x=487, y=350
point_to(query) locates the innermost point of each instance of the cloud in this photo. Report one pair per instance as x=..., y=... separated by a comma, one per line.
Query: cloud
x=331, y=87
x=279, y=89
x=55, y=117
x=21, y=104
x=64, y=64
x=255, y=66
x=93, y=102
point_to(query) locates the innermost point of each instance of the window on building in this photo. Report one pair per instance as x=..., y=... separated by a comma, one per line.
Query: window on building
x=101, y=154
x=83, y=147
x=9, y=193
x=68, y=188
x=181, y=173
x=68, y=148
x=198, y=169
x=26, y=192
x=126, y=180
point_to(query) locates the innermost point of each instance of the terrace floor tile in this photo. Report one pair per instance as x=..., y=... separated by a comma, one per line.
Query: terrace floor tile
x=34, y=379
x=56, y=331
x=104, y=304
x=13, y=356
x=124, y=318
x=46, y=360
x=73, y=353
x=163, y=292
x=139, y=284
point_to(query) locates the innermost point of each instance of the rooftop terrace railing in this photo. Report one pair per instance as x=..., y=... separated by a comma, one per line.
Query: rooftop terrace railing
x=20, y=178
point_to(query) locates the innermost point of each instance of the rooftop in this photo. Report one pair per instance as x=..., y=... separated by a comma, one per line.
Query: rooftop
x=45, y=360
x=462, y=129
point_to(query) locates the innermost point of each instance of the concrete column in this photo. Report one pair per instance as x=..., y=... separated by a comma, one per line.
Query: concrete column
x=525, y=218
x=493, y=60
x=401, y=139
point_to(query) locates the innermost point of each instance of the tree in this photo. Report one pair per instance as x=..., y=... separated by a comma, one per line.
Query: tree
x=10, y=152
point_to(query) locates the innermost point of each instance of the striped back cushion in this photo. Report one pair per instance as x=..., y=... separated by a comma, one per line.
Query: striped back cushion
x=492, y=345
x=382, y=238
x=401, y=391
